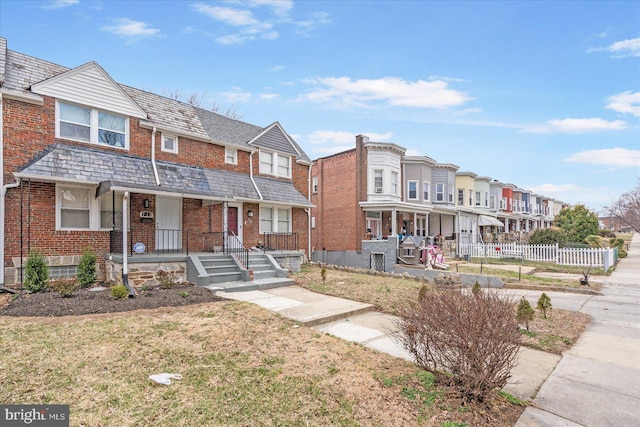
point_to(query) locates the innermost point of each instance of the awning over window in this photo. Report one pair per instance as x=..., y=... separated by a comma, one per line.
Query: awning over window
x=486, y=220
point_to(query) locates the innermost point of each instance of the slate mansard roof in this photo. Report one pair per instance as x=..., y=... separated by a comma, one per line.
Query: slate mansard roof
x=65, y=163
x=18, y=72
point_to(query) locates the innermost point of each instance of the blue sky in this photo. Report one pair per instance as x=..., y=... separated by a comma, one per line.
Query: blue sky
x=544, y=95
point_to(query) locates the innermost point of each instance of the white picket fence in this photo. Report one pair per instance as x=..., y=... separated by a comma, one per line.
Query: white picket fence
x=582, y=257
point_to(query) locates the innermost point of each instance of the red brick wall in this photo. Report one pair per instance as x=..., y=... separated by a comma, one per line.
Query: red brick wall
x=336, y=203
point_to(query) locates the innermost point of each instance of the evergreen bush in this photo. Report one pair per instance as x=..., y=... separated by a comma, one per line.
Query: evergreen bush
x=525, y=313
x=36, y=272
x=87, y=269
x=544, y=304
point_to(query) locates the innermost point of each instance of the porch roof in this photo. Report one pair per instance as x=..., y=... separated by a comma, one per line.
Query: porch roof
x=124, y=172
x=398, y=206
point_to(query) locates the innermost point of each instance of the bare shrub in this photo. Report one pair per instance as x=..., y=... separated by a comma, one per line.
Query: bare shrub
x=467, y=341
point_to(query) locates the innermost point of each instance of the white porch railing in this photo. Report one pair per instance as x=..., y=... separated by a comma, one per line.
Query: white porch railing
x=582, y=257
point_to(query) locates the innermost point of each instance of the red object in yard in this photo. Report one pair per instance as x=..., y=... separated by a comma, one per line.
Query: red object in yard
x=497, y=249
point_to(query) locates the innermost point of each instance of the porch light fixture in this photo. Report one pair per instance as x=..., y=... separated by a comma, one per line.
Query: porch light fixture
x=145, y=203
x=249, y=213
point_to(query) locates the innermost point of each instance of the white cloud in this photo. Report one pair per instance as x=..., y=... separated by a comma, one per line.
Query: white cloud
x=576, y=126
x=58, y=4
x=331, y=142
x=625, y=102
x=621, y=49
x=250, y=27
x=343, y=91
x=128, y=28
x=616, y=157
x=237, y=95
x=277, y=68
x=269, y=96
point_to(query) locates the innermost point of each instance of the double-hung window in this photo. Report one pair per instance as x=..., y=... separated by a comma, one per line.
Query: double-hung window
x=426, y=188
x=377, y=180
x=86, y=124
x=74, y=206
x=439, y=192
x=272, y=163
x=111, y=210
x=274, y=220
x=314, y=184
x=412, y=190
x=460, y=196
x=394, y=183
x=230, y=156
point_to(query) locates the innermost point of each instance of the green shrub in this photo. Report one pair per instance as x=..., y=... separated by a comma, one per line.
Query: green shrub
x=544, y=304
x=622, y=253
x=36, y=272
x=422, y=293
x=593, y=241
x=549, y=236
x=165, y=279
x=87, y=269
x=616, y=243
x=65, y=287
x=323, y=274
x=606, y=233
x=119, y=292
x=525, y=313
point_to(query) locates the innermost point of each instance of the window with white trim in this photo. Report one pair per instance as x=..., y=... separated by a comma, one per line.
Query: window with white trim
x=478, y=195
x=275, y=220
x=439, y=192
x=492, y=202
x=314, y=184
x=111, y=210
x=412, y=190
x=169, y=143
x=460, y=196
x=470, y=197
x=426, y=190
x=272, y=163
x=74, y=208
x=450, y=194
x=394, y=183
x=87, y=124
x=378, y=181
x=503, y=203
x=231, y=156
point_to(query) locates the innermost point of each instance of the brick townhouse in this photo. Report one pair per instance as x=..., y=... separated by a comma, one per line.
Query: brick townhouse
x=79, y=151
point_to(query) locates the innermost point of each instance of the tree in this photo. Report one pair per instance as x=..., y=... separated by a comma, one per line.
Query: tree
x=578, y=222
x=626, y=209
x=544, y=304
x=195, y=99
x=36, y=272
x=549, y=236
x=525, y=313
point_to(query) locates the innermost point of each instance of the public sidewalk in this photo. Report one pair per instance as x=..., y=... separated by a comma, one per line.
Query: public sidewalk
x=358, y=322
x=597, y=382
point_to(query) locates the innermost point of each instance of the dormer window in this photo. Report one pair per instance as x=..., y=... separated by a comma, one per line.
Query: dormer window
x=230, y=156
x=86, y=124
x=169, y=143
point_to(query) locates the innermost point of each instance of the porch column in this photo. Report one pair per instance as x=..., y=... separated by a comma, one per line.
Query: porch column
x=394, y=219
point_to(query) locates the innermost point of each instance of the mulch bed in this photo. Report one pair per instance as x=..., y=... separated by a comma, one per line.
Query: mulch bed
x=84, y=301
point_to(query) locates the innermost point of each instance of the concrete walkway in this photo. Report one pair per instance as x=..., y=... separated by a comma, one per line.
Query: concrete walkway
x=358, y=322
x=597, y=382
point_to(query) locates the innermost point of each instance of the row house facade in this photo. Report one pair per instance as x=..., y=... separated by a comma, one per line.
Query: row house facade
x=375, y=191
x=85, y=160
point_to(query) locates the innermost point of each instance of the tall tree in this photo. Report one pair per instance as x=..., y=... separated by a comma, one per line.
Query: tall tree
x=195, y=99
x=578, y=222
x=626, y=209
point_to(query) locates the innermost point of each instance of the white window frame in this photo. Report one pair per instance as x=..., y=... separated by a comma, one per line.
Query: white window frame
x=426, y=191
x=314, y=184
x=163, y=146
x=59, y=190
x=450, y=194
x=270, y=164
x=439, y=192
x=275, y=219
x=118, y=222
x=492, y=202
x=94, y=128
x=378, y=174
x=413, y=183
x=394, y=183
x=230, y=156
x=460, y=196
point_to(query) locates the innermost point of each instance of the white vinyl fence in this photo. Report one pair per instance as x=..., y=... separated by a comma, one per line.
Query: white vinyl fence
x=583, y=257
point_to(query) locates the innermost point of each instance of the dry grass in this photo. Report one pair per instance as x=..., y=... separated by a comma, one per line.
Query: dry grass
x=555, y=334
x=241, y=365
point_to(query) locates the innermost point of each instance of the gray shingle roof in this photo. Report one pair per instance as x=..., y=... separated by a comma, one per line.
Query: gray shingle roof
x=71, y=163
x=21, y=71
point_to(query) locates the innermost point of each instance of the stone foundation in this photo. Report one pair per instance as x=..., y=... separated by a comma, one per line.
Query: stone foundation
x=145, y=274
x=12, y=274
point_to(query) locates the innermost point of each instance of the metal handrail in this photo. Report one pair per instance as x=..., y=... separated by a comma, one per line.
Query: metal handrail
x=227, y=243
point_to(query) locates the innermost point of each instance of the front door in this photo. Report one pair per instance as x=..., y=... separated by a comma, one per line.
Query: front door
x=232, y=220
x=168, y=224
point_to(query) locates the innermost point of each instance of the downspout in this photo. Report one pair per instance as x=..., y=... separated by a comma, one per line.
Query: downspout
x=153, y=156
x=251, y=175
x=125, y=246
x=4, y=192
x=309, y=214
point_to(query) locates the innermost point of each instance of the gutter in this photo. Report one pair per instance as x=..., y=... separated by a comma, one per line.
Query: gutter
x=153, y=156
